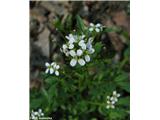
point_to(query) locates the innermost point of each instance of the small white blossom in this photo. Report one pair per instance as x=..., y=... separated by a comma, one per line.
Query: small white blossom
x=78, y=48
x=111, y=100
x=52, y=68
x=97, y=27
x=35, y=115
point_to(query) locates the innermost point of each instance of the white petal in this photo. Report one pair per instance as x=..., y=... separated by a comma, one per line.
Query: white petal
x=72, y=53
x=67, y=53
x=112, y=106
x=107, y=106
x=67, y=37
x=83, y=36
x=108, y=97
x=91, y=50
x=115, y=99
x=81, y=43
x=81, y=62
x=35, y=113
x=40, y=110
x=73, y=62
x=87, y=58
x=64, y=46
x=51, y=70
x=54, y=66
x=71, y=35
x=47, y=64
x=90, y=40
x=57, y=73
x=71, y=46
x=113, y=102
x=57, y=67
x=114, y=93
x=111, y=98
x=47, y=70
x=91, y=29
x=118, y=95
x=79, y=52
x=83, y=46
x=97, y=30
x=53, y=63
x=91, y=24
x=108, y=102
x=98, y=25
x=71, y=38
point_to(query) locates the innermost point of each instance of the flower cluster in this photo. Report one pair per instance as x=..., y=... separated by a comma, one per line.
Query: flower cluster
x=35, y=115
x=111, y=100
x=52, y=68
x=98, y=27
x=78, y=48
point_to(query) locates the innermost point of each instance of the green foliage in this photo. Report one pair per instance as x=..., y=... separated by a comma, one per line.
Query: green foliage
x=80, y=93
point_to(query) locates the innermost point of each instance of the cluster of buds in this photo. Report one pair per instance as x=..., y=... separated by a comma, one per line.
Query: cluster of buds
x=78, y=48
x=111, y=100
x=35, y=115
x=52, y=68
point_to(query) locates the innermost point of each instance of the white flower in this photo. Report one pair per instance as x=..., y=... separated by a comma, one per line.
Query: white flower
x=115, y=96
x=78, y=48
x=97, y=27
x=110, y=105
x=35, y=115
x=111, y=100
x=49, y=68
x=52, y=68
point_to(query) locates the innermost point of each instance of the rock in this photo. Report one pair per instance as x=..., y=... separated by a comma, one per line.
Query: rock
x=43, y=42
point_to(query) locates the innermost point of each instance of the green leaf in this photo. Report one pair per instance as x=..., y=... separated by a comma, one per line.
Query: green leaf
x=122, y=77
x=124, y=101
x=52, y=91
x=57, y=23
x=45, y=94
x=124, y=85
x=68, y=22
x=80, y=23
x=98, y=47
x=111, y=29
x=122, y=81
x=51, y=80
x=36, y=103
